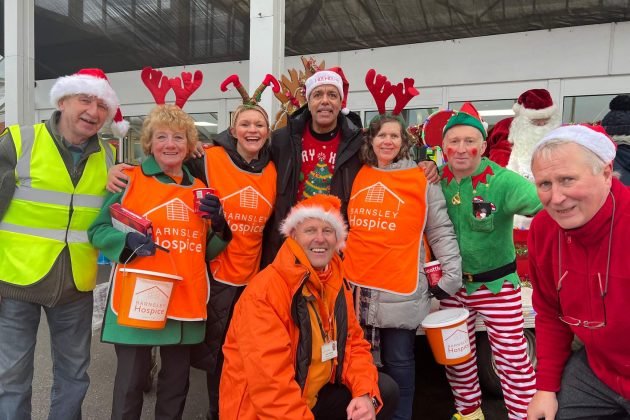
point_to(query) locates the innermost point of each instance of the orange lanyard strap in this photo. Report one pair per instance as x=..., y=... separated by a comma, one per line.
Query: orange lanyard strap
x=323, y=307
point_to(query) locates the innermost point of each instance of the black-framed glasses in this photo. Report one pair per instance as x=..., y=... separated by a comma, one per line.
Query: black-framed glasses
x=574, y=322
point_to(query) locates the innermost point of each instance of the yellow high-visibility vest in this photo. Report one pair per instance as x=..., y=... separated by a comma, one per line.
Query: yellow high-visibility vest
x=48, y=213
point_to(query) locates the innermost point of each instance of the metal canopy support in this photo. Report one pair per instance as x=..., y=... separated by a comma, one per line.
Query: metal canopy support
x=19, y=62
x=266, y=47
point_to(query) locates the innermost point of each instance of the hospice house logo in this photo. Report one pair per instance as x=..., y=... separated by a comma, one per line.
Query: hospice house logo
x=246, y=210
x=456, y=342
x=177, y=236
x=377, y=207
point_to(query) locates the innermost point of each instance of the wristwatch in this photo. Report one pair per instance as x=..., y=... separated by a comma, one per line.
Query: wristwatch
x=375, y=403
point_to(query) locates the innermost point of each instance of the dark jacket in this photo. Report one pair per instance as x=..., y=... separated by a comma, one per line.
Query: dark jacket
x=622, y=163
x=286, y=150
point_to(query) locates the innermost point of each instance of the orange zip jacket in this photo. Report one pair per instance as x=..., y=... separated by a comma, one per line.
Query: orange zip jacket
x=268, y=345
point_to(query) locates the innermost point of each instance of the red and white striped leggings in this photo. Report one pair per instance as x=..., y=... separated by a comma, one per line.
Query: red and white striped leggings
x=503, y=316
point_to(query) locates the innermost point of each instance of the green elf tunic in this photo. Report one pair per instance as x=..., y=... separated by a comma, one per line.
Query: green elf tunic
x=486, y=243
x=112, y=243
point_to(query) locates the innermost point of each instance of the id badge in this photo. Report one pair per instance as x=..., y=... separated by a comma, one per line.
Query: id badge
x=329, y=351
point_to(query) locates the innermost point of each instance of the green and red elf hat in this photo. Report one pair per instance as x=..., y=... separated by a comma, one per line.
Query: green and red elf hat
x=467, y=115
x=381, y=89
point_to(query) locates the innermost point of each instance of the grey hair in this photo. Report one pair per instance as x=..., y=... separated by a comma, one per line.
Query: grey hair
x=547, y=150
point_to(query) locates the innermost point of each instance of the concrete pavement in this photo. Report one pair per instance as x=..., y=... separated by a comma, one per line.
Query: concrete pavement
x=433, y=400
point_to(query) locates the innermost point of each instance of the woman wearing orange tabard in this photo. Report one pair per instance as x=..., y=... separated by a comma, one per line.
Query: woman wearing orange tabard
x=391, y=207
x=160, y=190
x=239, y=169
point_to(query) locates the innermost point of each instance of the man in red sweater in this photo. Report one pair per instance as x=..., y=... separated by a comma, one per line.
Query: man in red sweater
x=580, y=273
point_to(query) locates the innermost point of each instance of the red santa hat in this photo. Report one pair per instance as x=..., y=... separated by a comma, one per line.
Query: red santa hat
x=91, y=82
x=592, y=137
x=535, y=104
x=320, y=206
x=332, y=76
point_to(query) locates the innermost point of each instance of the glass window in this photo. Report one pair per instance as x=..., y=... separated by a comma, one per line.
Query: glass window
x=491, y=111
x=413, y=116
x=585, y=109
x=55, y=6
x=207, y=125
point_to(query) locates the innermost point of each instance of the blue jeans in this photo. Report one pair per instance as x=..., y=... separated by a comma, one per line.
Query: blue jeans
x=70, y=328
x=399, y=362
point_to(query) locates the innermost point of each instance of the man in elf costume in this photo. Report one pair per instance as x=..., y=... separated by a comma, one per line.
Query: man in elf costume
x=52, y=185
x=473, y=186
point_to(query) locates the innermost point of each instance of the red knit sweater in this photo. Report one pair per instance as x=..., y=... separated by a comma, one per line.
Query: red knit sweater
x=584, y=254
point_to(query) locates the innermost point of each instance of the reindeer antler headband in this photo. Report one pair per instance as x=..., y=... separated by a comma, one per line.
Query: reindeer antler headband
x=159, y=85
x=381, y=89
x=255, y=98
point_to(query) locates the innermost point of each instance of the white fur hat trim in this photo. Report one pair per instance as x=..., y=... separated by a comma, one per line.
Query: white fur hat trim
x=84, y=84
x=534, y=114
x=299, y=214
x=596, y=142
x=324, y=77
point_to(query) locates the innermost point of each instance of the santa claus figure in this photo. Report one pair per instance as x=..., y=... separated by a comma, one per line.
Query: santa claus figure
x=511, y=140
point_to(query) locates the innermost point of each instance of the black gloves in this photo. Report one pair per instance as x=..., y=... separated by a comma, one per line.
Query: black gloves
x=438, y=293
x=142, y=245
x=211, y=206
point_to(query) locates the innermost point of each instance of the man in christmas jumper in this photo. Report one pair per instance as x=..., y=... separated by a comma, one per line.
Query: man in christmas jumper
x=52, y=185
x=580, y=273
x=317, y=152
x=491, y=286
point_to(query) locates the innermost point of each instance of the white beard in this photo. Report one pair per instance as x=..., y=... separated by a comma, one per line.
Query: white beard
x=524, y=135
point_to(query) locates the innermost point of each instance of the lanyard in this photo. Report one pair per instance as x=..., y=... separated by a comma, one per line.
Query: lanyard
x=324, y=328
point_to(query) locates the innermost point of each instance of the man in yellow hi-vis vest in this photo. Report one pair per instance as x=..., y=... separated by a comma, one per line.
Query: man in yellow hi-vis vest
x=52, y=184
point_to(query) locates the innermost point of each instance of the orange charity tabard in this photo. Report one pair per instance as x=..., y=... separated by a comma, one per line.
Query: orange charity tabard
x=178, y=228
x=386, y=214
x=247, y=200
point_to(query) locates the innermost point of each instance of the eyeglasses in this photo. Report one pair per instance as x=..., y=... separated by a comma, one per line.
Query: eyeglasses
x=569, y=320
x=574, y=322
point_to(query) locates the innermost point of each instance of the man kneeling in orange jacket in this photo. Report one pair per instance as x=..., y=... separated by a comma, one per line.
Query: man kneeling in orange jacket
x=294, y=348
